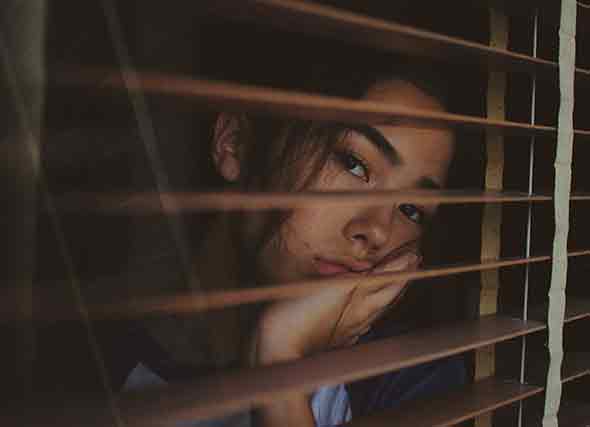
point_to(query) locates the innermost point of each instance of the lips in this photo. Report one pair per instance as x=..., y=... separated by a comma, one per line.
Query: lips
x=330, y=268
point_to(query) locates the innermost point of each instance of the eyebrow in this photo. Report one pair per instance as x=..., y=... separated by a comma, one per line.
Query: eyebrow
x=379, y=142
x=390, y=153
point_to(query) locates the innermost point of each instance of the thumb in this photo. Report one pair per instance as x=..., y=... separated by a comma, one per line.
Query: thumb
x=401, y=263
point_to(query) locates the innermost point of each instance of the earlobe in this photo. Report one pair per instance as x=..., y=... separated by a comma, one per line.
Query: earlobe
x=225, y=152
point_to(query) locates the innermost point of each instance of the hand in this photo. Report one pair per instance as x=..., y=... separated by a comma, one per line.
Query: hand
x=367, y=304
x=331, y=317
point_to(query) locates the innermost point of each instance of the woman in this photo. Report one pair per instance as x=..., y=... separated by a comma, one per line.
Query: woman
x=252, y=153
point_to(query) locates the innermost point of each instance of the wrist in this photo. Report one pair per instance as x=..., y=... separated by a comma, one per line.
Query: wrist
x=269, y=355
x=271, y=345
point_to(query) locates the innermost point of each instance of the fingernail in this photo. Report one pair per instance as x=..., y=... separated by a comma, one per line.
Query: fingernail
x=412, y=258
x=402, y=262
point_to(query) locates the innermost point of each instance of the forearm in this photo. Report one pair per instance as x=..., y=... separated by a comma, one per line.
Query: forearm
x=295, y=411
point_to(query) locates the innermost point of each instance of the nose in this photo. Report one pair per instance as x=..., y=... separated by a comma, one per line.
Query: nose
x=370, y=231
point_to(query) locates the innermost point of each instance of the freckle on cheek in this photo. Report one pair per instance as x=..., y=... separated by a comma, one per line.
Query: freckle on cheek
x=306, y=244
x=293, y=234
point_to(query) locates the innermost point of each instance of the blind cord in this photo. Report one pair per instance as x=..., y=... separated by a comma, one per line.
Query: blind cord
x=529, y=216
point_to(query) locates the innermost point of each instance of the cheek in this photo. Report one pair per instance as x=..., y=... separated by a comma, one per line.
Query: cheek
x=287, y=255
x=305, y=229
x=308, y=232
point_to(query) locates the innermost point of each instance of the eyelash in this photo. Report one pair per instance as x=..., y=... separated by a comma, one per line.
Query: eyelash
x=347, y=157
x=421, y=220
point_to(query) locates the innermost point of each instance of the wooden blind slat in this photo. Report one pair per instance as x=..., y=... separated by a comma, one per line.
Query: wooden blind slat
x=227, y=298
x=452, y=408
x=550, y=10
x=579, y=196
x=331, y=22
x=574, y=414
x=119, y=306
x=470, y=401
x=575, y=309
x=241, y=390
x=443, y=410
x=571, y=414
x=225, y=96
x=150, y=202
x=575, y=365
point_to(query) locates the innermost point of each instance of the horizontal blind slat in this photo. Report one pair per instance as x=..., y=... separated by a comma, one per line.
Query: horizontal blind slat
x=575, y=365
x=241, y=390
x=151, y=202
x=574, y=414
x=226, y=96
x=120, y=306
x=549, y=10
x=470, y=401
x=326, y=21
x=253, y=386
x=227, y=298
x=575, y=309
x=452, y=408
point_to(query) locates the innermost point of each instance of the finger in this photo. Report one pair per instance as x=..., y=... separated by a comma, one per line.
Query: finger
x=343, y=316
x=353, y=321
x=411, y=246
x=353, y=336
x=393, y=256
x=403, y=262
x=407, y=262
x=381, y=311
x=386, y=286
x=395, y=301
x=384, y=297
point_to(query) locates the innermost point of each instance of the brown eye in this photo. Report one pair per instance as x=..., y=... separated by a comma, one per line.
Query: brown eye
x=412, y=212
x=354, y=165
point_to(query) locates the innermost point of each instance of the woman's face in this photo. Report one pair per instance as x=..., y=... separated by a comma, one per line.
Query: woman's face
x=321, y=241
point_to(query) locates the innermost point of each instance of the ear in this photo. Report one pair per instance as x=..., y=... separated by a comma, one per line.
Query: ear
x=225, y=152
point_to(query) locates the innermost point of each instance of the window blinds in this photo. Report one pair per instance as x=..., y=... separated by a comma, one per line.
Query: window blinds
x=248, y=388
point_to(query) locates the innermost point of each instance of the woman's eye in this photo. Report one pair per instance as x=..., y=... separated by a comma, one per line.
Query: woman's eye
x=412, y=212
x=355, y=166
